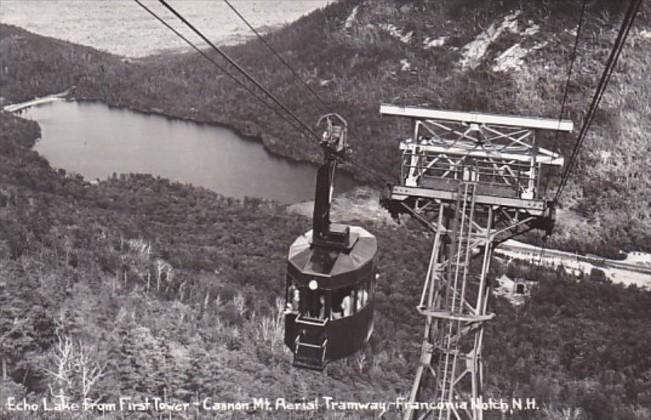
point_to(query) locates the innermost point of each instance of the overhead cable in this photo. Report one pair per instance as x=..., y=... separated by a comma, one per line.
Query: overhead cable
x=294, y=119
x=324, y=105
x=239, y=68
x=618, y=46
x=215, y=63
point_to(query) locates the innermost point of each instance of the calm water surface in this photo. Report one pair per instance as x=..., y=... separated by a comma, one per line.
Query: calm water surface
x=95, y=141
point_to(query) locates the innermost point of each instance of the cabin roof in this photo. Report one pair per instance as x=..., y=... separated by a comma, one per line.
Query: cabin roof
x=330, y=267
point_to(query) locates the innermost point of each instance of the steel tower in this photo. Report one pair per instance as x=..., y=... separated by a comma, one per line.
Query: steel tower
x=473, y=180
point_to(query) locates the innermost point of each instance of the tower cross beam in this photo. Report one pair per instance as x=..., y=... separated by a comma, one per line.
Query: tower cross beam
x=516, y=135
x=477, y=117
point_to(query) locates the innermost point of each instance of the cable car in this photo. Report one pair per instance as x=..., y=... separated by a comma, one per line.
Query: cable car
x=330, y=273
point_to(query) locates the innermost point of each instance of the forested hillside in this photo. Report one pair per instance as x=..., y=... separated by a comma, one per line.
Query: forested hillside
x=357, y=54
x=172, y=291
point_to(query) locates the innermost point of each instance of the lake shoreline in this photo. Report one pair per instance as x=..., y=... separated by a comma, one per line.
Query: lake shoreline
x=96, y=140
x=243, y=133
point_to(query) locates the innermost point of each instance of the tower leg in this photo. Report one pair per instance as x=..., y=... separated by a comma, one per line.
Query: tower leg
x=429, y=297
x=449, y=374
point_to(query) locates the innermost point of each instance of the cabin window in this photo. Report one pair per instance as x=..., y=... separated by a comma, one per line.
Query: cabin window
x=519, y=289
x=292, y=297
x=314, y=304
x=363, y=292
x=343, y=302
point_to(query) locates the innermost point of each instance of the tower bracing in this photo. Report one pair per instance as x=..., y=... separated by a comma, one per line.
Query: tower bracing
x=473, y=180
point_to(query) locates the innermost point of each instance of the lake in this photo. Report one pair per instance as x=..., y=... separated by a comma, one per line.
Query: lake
x=95, y=141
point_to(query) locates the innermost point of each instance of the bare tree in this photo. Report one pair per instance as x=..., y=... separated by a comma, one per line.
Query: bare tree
x=61, y=356
x=89, y=370
x=75, y=371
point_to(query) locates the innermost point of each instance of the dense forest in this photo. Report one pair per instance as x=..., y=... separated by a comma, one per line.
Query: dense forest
x=145, y=288
x=162, y=289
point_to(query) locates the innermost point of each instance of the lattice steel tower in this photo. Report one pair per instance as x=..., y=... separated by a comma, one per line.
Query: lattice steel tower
x=473, y=179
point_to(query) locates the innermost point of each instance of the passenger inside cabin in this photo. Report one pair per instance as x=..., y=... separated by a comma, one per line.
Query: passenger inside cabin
x=347, y=305
x=296, y=299
x=318, y=308
x=362, y=298
x=322, y=307
x=293, y=298
x=288, y=298
x=343, y=303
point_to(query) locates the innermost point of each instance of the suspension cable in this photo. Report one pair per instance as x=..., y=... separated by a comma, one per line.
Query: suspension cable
x=571, y=67
x=627, y=24
x=216, y=64
x=292, y=122
x=563, y=102
x=324, y=105
x=307, y=128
